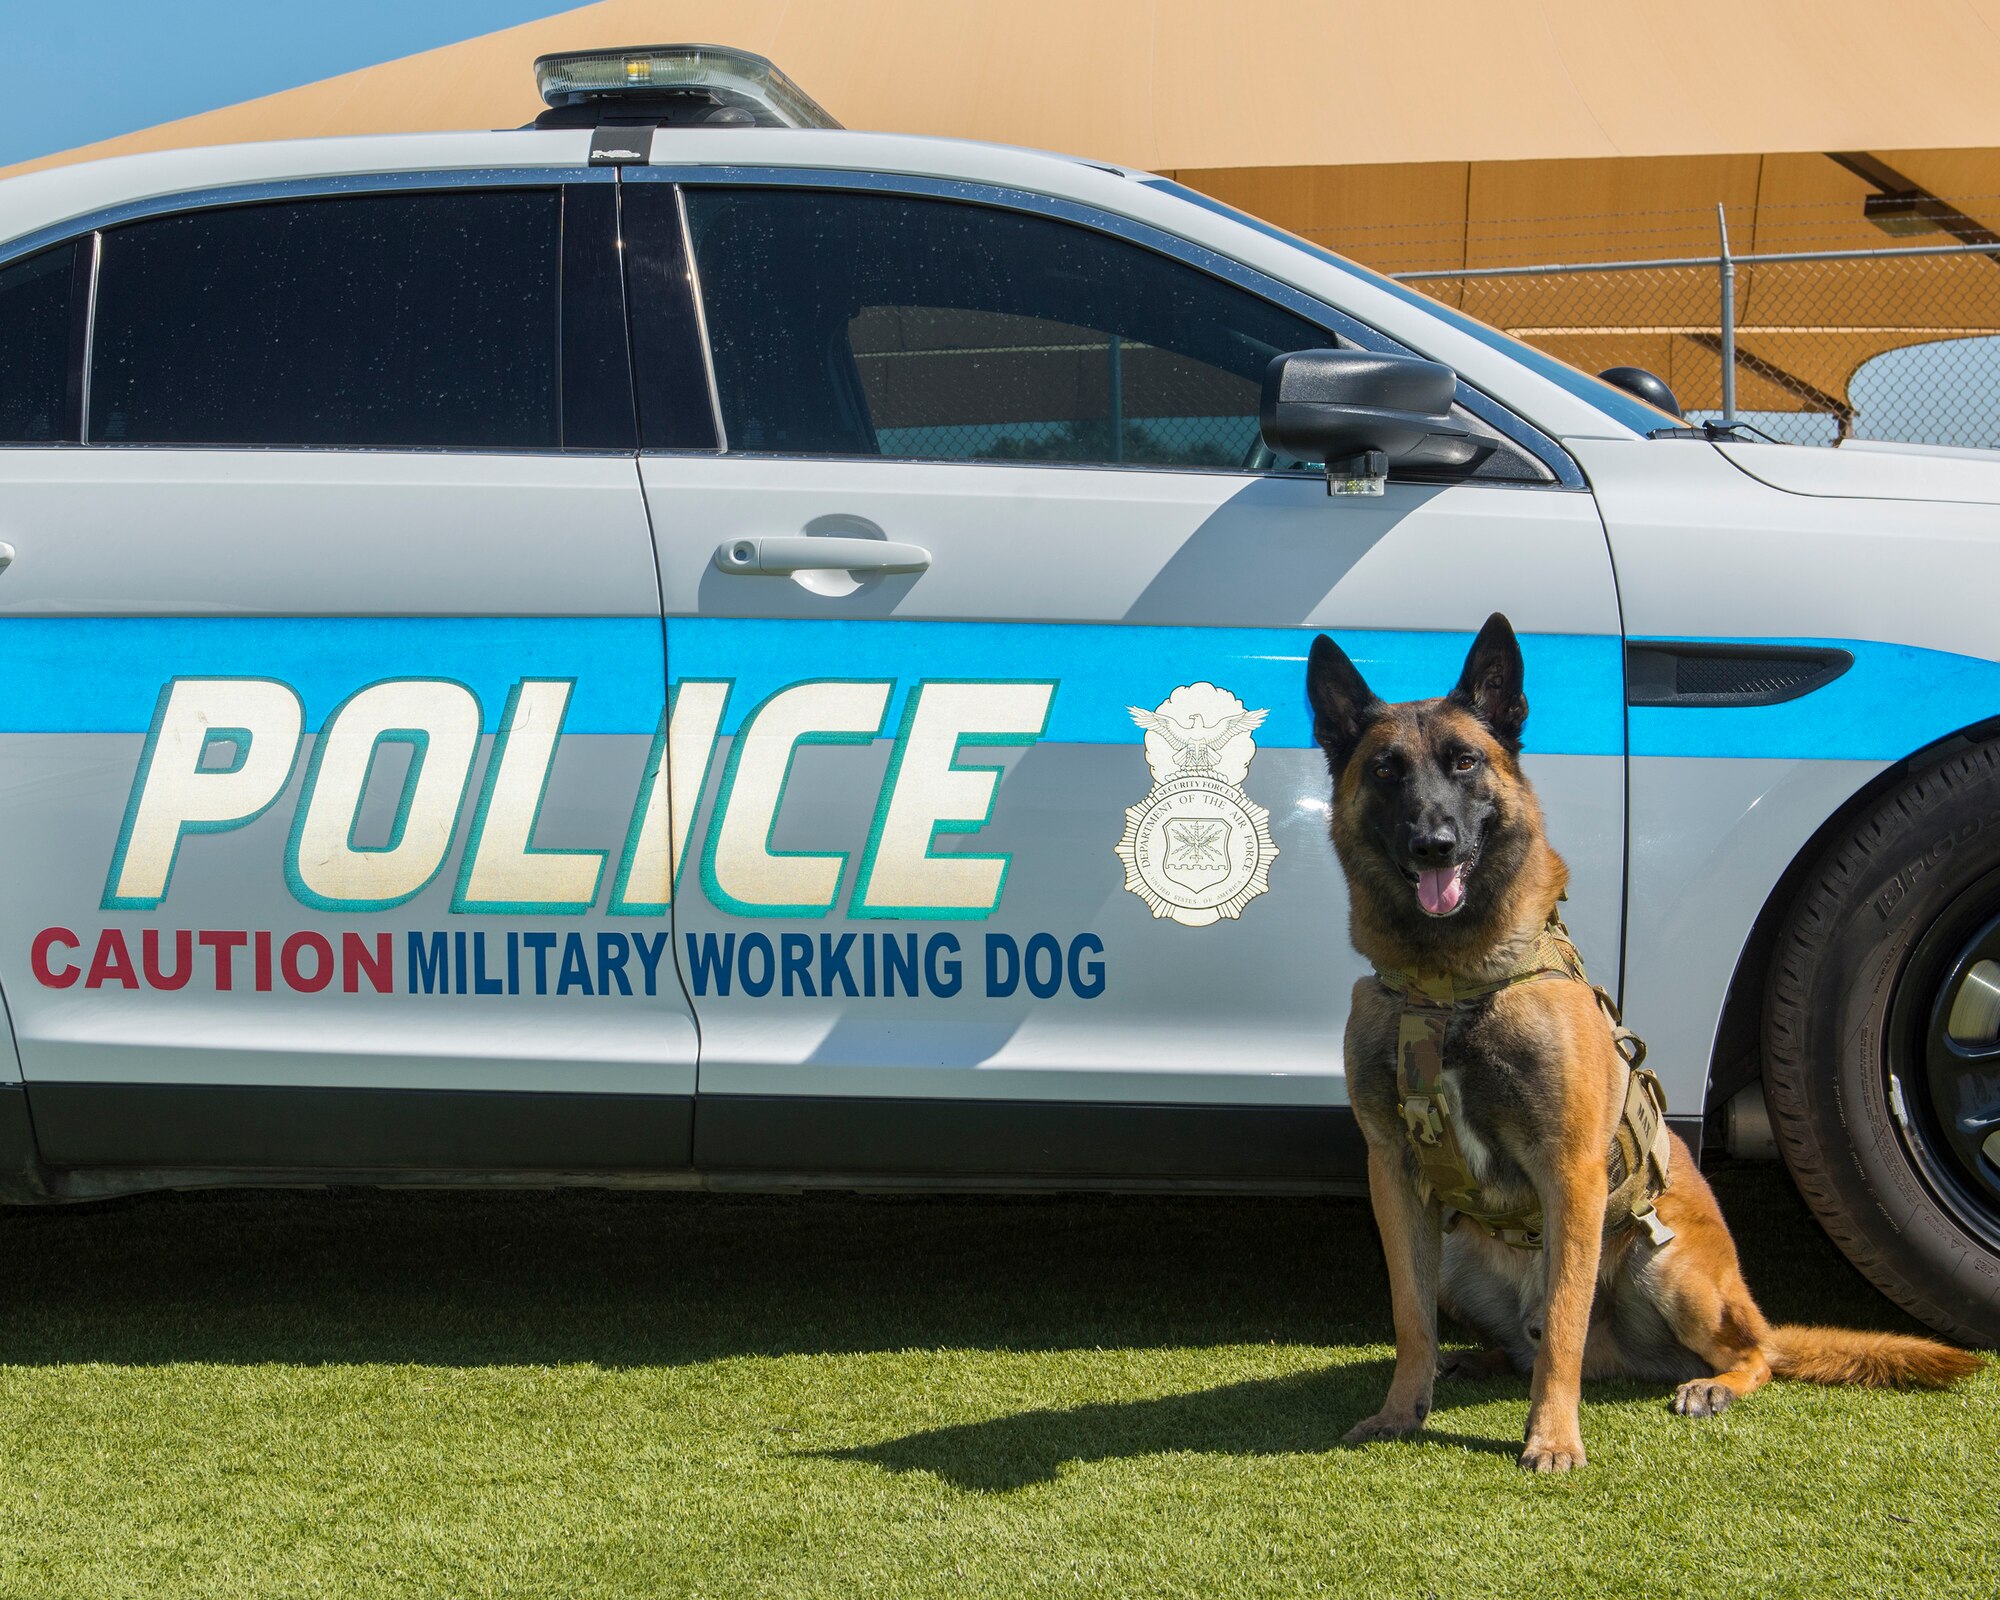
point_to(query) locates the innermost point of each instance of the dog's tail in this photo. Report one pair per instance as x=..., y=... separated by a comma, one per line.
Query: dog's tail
x=1871, y=1360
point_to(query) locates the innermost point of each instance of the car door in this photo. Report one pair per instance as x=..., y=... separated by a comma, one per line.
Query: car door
x=999, y=827
x=330, y=673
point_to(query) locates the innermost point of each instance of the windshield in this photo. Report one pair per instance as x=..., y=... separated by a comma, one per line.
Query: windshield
x=1626, y=409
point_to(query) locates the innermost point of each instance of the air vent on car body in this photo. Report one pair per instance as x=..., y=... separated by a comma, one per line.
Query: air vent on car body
x=1720, y=675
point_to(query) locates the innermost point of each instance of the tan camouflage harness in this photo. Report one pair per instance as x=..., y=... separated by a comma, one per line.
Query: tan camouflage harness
x=1639, y=1148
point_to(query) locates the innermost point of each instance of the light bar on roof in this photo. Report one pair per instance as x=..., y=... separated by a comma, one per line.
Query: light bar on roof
x=731, y=77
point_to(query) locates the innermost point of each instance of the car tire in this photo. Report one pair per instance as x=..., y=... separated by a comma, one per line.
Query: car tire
x=1865, y=1069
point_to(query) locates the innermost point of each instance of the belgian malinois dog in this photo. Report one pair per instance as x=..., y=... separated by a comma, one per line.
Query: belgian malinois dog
x=1450, y=875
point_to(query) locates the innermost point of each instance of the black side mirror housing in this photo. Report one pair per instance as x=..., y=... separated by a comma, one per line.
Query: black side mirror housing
x=1339, y=406
x=1638, y=381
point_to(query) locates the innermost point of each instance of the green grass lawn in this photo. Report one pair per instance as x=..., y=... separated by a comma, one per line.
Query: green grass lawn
x=575, y=1394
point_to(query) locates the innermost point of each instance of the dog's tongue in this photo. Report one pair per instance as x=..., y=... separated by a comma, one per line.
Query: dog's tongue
x=1440, y=889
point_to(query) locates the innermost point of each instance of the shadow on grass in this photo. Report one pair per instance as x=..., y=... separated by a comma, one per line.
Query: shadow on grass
x=624, y=1280
x=1303, y=1413
x=652, y=1279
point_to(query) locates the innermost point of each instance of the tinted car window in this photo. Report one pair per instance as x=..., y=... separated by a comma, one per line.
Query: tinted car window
x=399, y=321
x=858, y=324
x=34, y=346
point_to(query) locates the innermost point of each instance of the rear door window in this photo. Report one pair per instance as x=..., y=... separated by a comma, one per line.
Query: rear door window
x=34, y=346
x=400, y=321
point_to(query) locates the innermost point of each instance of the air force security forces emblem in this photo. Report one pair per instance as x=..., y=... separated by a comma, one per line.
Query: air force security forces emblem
x=1197, y=848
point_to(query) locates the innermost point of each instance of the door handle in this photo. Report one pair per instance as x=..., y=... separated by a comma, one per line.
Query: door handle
x=785, y=554
x=6, y=555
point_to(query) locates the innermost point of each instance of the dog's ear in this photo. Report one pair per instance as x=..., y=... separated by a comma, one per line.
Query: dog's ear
x=1342, y=703
x=1490, y=687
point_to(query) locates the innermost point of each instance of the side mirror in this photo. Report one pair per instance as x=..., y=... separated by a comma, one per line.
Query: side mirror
x=1640, y=382
x=1359, y=412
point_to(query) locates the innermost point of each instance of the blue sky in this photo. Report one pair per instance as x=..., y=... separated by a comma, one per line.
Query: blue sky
x=81, y=70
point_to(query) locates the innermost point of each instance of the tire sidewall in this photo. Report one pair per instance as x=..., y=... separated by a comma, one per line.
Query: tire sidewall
x=1847, y=956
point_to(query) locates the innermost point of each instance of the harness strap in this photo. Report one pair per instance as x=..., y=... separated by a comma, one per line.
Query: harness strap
x=1442, y=1167
x=1640, y=1147
x=1637, y=1160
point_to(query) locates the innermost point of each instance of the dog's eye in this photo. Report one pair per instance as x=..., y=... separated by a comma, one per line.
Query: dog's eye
x=1383, y=770
x=1465, y=763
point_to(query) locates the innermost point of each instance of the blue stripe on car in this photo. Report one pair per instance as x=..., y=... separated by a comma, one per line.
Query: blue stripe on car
x=1103, y=669
x=103, y=674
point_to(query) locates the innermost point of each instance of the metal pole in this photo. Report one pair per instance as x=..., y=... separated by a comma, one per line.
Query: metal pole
x=1727, y=266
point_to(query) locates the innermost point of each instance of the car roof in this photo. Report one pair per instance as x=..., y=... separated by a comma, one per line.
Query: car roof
x=36, y=208
x=39, y=200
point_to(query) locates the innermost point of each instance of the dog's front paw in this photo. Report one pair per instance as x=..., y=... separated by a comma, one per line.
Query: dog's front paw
x=1387, y=1424
x=1703, y=1397
x=1552, y=1455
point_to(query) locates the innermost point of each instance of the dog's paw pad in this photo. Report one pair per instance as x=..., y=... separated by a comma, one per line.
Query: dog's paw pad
x=1703, y=1397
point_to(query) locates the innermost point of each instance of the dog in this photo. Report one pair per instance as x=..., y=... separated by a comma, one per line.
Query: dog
x=1452, y=892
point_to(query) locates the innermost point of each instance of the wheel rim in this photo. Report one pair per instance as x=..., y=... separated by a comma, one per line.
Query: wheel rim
x=1944, y=1058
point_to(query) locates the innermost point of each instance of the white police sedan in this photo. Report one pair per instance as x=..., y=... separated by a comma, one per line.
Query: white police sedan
x=685, y=645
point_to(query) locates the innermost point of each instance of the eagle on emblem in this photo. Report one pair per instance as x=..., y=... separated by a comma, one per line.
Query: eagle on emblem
x=1195, y=742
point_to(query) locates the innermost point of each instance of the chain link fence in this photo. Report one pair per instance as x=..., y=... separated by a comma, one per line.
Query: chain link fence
x=1898, y=344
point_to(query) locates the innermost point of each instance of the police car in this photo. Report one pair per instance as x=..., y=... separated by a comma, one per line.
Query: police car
x=685, y=645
